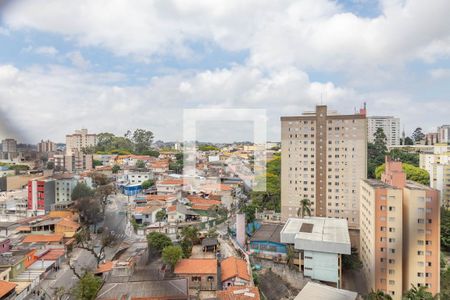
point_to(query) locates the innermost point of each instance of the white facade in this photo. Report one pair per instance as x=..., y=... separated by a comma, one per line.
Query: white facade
x=9, y=145
x=321, y=241
x=390, y=126
x=444, y=134
x=437, y=164
x=63, y=189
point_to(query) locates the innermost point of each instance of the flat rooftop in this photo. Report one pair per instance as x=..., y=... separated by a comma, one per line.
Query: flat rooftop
x=316, y=291
x=317, y=234
x=268, y=232
x=378, y=184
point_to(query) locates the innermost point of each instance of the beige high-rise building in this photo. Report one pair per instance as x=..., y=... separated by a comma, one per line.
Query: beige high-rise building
x=46, y=146
x=79, y=140
x=399, y=233
x=323, y=159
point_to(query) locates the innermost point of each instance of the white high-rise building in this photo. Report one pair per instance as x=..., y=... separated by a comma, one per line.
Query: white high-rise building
x=390, y=126
x=444, y=134
x=79, y=140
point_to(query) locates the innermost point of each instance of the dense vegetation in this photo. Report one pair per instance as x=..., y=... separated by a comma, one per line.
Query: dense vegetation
x=412, y=173
x=136, y=142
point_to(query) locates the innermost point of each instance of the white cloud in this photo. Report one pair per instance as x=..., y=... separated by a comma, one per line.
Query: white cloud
x=46, y=50
x=315, y=34
x=440, y=73
x=77, y=59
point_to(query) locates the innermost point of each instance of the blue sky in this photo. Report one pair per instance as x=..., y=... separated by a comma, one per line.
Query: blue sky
x=111, y=66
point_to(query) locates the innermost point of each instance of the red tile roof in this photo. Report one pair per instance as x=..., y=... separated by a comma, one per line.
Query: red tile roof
x=159, y=197
x=196, y=266
x=105, y=267
x=239, y=293
x=43, y=238
x=6, y=287
x=201, y=201
x=234, y=267
x=172, y=182
x=53, y=254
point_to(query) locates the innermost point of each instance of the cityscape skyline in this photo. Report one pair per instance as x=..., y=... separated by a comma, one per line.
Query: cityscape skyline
x=143, y=75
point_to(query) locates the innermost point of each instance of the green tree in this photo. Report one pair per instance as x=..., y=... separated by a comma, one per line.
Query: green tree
x=115, y=169
x=418, y=293
x=305, y=208
x=271, y=198
x=140, y=164
x=249, y=210
x=96, y=163
x=418, y=135
x=376, y=152
x=212, y=233
x=50, y=165
x=87, y=287
x=377, y=295
x=171, y=255
x=161, y=215
x=351, y=262
x=142, y=140
x=445, y=229
x=147, y=184
x=103, y=192
x=158, y=241
x=412, y=173
x=405, y=157
x=409, y=141
x=81, y=190
x=208, y=148
x=186, y=247
x=190, y=233
x=151, y=152
x=445, y=283
x=99, y=178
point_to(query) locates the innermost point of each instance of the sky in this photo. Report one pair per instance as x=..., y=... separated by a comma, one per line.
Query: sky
x=114, y=65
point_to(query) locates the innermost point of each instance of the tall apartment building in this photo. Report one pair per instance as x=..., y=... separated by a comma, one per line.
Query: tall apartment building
x=323, y=159
x=390, y=126
x=79, y=140
x=437, y=164
x=46, y=146
x=9, y=149
x=431, y=138
x=399, y=233
x=9, y=145
x=444, y=134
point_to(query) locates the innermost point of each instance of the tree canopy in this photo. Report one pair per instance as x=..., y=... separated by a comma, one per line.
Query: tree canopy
x=412, y=173
x=148, y=184
x=271, y=198
x=138, y=141
x=171, y=255
x=208, y=148
x=87, y=287
x=81, y=190
x=376, y=152
x=158, y=241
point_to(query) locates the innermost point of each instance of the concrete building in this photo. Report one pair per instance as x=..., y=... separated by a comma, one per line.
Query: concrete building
x=9, y=149
x=437, y=164
x=381, y=236
x=41, y=195
x=46, y=146
x=444, y=134
x=320, y=242
x=79, y=140
x=63, y=189
x=323, y=158
x=390, y=126
x=431, y=138
x=77, y=162
x=400, y=234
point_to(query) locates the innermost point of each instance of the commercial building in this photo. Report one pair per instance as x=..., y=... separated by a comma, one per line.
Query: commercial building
x=400, y=234
x=320, y=242
x=46, y=146
x=323, y=158
x=79, y=140
x=437, y=164
x=390, y=126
